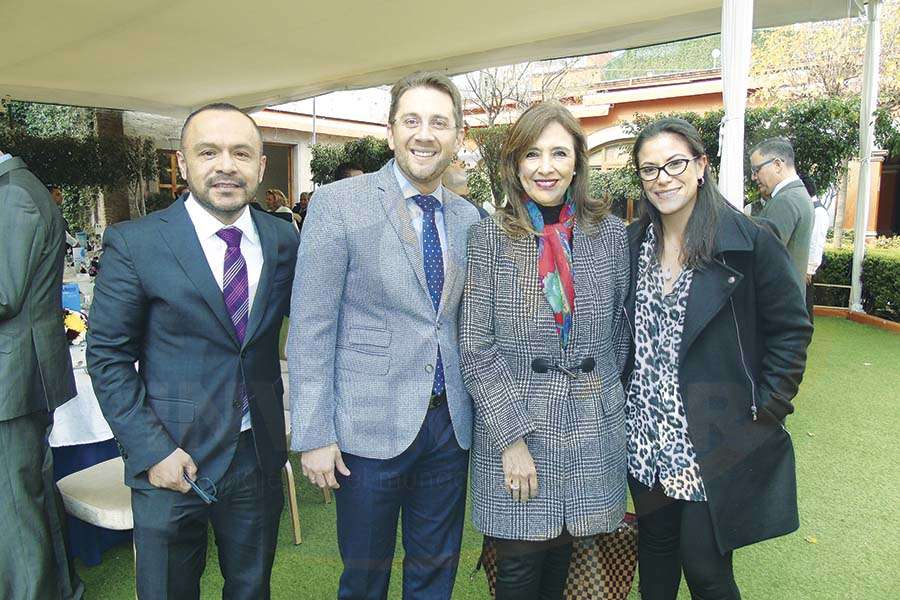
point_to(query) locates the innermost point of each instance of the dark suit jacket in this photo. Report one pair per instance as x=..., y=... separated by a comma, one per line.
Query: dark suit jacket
x=35, y=368
x=744, y=343
x=790, y=212
x=156, y=303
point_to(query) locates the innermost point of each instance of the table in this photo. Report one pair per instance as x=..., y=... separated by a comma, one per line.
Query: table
x=80, y=438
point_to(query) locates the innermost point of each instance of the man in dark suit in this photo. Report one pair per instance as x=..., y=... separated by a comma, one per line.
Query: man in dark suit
x=35, y=378
x=195, y=295
x=788, y=208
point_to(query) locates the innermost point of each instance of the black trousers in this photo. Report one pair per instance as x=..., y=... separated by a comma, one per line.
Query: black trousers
x=170, y=532
x=532, y=570
x=676, y=536
x=810, y=299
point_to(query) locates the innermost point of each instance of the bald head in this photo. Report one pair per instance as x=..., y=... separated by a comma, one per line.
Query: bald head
x=220, y=107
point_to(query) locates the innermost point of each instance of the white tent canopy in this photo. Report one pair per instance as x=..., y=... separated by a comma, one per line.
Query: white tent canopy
x=169, y=57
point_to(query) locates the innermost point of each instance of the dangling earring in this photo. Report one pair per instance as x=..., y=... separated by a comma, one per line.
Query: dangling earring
x=700, y=182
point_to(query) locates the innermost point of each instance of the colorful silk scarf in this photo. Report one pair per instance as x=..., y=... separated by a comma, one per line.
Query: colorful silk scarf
x=555, y=264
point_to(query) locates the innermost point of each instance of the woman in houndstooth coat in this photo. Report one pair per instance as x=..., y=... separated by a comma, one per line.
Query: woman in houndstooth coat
x=543, y=342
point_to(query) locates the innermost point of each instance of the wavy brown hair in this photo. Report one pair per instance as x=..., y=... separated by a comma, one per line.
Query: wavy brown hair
x=513, y=217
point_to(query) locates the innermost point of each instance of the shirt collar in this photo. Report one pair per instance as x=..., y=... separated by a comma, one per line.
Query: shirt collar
x=784, y=182
x=207, y=225
x=409, y=190
x=4, y=157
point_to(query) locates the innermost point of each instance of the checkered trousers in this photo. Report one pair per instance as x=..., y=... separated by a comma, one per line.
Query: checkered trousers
x=575, y=429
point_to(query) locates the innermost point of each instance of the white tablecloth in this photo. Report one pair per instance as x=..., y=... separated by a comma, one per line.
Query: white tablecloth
x=79, y=421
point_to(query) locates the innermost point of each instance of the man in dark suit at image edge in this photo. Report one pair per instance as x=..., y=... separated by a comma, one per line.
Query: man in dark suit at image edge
x=35, y=378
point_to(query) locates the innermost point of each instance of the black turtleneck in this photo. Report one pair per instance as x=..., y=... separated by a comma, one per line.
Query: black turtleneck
x=550, y=213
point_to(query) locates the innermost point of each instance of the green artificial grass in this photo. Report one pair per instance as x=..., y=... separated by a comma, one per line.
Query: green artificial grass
x=848, y=545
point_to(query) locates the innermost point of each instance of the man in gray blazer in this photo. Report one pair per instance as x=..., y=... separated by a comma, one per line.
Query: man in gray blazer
x=195, y=294
x=35, y=378
x=789, y=208
x=379, y=408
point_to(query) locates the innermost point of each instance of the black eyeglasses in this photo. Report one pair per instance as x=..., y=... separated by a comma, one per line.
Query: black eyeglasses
x=672, y=168
x=755, y=169
x=203, y=487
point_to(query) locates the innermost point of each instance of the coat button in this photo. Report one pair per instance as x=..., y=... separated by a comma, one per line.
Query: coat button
x=237, y=403
x=731, y=279
x=429, y=368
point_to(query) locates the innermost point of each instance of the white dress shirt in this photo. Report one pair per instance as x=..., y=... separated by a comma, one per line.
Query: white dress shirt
x=409, y=190
x=779, y=187
x=214, y=248
x=817, y=239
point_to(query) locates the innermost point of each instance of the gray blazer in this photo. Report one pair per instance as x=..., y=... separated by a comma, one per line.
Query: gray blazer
x=35, y=368
x=364, y=335
x=574, y=429
x=790, y=211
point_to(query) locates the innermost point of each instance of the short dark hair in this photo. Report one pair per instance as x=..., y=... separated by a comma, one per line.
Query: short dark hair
x=343, y=170
x=222, y=107
x=777, y=147
x=811, y=188
x=53, y=186
x=435, y=81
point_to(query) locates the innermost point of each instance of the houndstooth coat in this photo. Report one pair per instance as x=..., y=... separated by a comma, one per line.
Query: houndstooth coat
x=574, y=429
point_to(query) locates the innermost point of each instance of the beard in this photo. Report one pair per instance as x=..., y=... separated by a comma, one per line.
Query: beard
x=220, y=202
x=422, y=173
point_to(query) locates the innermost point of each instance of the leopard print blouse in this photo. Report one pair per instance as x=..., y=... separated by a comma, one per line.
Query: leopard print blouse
x=659, y=447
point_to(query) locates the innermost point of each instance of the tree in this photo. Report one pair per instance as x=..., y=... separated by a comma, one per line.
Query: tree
x=369, y=153
x=60, y=146
x=489, y=141
x=821, y=60
x=824, y=133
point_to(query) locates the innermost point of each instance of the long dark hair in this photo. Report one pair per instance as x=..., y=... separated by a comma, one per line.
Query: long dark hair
x=700, y=232
x=513, y=216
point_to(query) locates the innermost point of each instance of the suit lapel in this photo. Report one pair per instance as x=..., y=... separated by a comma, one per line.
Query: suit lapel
x=582, y=262
x=394, y=205
x=178, y=232
x=268, y=239
x=456, y=233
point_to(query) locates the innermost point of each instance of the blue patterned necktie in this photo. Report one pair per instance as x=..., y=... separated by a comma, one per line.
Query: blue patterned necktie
x=434, y=270
x=236, y=290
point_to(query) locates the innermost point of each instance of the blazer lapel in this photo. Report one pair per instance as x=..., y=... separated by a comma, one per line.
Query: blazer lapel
x=394, y=205
x=268, y=240
x=178, y=232
x=582, y=261
x=456, y=234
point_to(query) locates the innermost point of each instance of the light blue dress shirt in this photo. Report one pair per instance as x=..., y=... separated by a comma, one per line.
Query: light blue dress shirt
x=409, y=190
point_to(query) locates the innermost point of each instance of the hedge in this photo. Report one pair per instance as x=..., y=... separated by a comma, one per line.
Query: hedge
x=880, y=279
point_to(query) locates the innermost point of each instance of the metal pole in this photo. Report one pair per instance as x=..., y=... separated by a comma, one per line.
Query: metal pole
x=314, y=122
x=866, y=144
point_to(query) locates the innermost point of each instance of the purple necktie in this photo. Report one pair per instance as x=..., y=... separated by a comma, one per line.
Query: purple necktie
x=236, y=290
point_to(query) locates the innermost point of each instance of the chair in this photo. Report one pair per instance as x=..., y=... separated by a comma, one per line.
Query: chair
x=292, y=486
x=98, y=495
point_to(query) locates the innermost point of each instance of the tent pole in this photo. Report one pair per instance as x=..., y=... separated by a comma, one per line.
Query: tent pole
x=866, y=144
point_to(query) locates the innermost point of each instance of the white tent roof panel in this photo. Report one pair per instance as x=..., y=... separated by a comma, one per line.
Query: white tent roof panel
x=169, y=56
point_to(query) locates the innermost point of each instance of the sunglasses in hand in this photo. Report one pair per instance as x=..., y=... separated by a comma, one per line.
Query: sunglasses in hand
x=203, y=487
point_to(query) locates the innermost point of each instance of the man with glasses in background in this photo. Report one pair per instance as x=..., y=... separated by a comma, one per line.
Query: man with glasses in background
x=195, y=295
x=788, y=207
x=378, y=404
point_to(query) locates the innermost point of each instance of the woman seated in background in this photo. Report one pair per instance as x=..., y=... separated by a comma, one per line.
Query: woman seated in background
x=542, y=344
x=720, y=335
x=280, y=206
